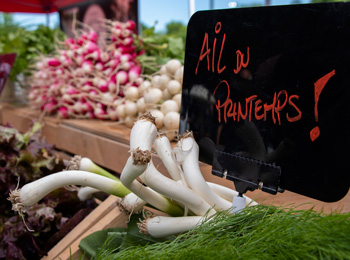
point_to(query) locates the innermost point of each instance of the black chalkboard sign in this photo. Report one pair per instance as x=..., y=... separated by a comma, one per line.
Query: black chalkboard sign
x=267, y=91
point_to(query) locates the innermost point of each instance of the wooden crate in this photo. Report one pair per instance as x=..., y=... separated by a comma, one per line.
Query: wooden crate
x=106, y=215
x=107, y=144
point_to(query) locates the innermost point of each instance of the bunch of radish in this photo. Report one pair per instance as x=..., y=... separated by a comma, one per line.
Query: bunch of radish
x=185, y=195
x=85, y=80
x=159, y=94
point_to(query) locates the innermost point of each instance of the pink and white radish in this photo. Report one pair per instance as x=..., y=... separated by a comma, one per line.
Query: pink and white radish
x=130, y=108
x=81, y=68
x=174, y=87
x=159, y=116
x=172, y=121
x=141, y=106
x=131, y=93
x=177, y=99
x=152, y=96
x=172, y=66
x=179, y=74
x=169, y=106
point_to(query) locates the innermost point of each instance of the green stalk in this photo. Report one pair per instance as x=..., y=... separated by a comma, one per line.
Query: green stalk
x=86, y=164
x=100, y=171
x=34, y=191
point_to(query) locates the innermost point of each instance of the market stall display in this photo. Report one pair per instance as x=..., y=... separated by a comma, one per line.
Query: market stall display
x=233, y=116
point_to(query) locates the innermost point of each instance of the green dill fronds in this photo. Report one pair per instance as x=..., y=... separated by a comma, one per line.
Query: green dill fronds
x=259, y=232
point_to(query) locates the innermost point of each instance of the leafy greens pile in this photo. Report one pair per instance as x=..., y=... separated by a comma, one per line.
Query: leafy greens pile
x=161, y=47
x=27, y=43
x=118, y=239
x=259, y=232
x=25, y=158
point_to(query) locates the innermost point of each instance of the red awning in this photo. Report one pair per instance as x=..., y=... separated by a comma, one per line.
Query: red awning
x=34, y=6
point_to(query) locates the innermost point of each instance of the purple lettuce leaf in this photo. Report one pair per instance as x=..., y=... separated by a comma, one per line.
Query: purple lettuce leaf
x=25, y=158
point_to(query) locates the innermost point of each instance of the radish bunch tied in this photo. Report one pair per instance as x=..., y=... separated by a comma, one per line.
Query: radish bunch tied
x=183, y=193
x=82, y=79
x=85, y=79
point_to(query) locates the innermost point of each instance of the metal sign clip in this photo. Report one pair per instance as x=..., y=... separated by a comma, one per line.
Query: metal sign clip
x=247, y=173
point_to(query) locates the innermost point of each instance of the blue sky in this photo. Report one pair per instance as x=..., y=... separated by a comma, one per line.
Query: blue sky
x=178, y=10
x=162, y=11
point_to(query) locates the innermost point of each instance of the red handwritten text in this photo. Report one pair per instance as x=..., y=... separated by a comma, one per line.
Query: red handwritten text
x=240, y=61
x=254, y=107
x=205, y=51
x=319, y=85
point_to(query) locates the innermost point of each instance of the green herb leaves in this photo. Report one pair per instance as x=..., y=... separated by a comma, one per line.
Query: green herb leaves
x=259, y=232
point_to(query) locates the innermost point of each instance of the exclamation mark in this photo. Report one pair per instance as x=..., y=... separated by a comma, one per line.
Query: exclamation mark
x=319, y=85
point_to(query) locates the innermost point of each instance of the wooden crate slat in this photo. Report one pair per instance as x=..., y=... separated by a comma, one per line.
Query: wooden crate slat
x=90, y=220
x=22, y=118
x=109, y=129
x=101, y=150
x=113, y=218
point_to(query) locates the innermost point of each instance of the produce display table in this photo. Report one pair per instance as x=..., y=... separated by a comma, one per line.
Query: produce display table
x=107, y=144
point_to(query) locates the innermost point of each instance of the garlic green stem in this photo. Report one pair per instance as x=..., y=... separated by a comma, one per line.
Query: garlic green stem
x=86, y=164
x=34, y=191
x=85, y=193
x=161, y=226
x=133, y=170
x=193, y=175
x=163, y=148
x=174, y=190
x=142, y=136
